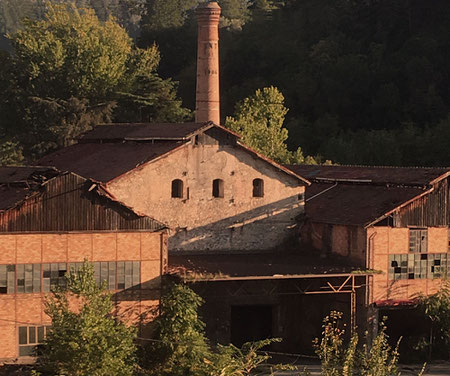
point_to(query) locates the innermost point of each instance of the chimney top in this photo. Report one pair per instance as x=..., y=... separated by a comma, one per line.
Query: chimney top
x=209, y=4
x=207, y=94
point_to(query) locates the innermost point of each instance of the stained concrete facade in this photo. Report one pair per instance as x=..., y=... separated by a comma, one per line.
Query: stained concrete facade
x=198, y=220
x=27, y=309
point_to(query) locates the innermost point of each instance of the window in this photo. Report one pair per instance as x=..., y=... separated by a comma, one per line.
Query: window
x=53, y=275
x=30, y=337
x=217, y=188
x=128, y=274
x=105, y=273
x=7, y=279
x=28, y=278
x=177, y=188
x=418, y=240
x=419, y=266
x=118, y=276
x=258, y=188
x=34, y=278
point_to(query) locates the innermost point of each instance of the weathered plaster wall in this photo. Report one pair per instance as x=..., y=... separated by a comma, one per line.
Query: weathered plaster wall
x=387, y=241
x=200, y=221
x=27, y=309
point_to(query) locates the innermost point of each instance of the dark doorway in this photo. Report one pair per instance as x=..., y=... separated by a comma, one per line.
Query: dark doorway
x=250, y=323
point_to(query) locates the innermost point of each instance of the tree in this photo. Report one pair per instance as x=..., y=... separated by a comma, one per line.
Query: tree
x=70, y=70
x=436, y=308
x=85, y=339
x=180, y=347
x=259, y=120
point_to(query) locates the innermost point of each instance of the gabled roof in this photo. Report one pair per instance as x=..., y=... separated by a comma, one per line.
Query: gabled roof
x=413, y=176
x=363, y=195
x=106, y=161
x=111, y=150
x=351, y=204
x=145, y=131
x=18, y=184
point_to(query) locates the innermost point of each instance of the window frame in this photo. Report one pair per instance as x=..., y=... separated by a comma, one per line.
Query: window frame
x=258, y=188
x=32, y=341
x=177, y=188
x=418, y=240
x=218, y=188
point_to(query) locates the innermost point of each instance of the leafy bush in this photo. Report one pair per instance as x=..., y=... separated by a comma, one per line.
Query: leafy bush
x=437, y=309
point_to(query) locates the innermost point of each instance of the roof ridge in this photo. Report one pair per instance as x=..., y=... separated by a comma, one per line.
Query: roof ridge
x=373, y=166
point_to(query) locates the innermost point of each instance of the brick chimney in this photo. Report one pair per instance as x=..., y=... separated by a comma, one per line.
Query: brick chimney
x=207, y=104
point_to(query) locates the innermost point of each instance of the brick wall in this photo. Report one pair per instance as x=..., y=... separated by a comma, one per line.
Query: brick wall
x=388, y=241
x=26, y=309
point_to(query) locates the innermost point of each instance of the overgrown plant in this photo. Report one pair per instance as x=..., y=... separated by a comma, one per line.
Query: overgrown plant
x=340, y=359
x=85, y=339
x=437, y=309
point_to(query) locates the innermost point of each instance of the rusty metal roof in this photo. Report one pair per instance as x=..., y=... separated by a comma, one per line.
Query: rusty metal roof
x=16, y=174
x=77, y=203
x=110, y=150
x=412, y=176
x=144, y=131
x=104, y=162
x=274, y=264
x=353, y=204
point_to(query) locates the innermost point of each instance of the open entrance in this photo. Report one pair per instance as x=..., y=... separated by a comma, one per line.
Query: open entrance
x=250, y=323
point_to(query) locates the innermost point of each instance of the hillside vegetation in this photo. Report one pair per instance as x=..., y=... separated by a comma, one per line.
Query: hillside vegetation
x=365, y=82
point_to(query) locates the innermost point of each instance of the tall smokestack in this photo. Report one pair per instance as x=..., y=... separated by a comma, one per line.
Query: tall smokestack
x=207, y=104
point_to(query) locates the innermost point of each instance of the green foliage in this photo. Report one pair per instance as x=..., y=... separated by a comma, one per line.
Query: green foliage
x=233, y=361
x=85, y=339
x=180, y=347
x=437, y=309
x=340, y=359
x=365, y=81
x=10, y=153
x=164, y=14
x=70, y=71
x=259, y=120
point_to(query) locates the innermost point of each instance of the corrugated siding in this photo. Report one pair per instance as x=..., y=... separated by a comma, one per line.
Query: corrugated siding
x=427, y=211
x=66, y=205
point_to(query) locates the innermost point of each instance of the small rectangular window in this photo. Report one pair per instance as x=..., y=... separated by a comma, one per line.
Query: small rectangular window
x=258, y=188
x=218, y=188
x=53, y=275
x=29, y=338
x=418, y=240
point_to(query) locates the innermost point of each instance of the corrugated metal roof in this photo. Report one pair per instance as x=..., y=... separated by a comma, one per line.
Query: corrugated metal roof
x=14, y=174
x=353, y=204
x=371, y=174
x=51, y=200
x=104, y=162
x=143, y=131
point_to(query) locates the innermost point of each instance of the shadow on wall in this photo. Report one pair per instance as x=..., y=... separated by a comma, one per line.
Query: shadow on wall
x=261, y=228
x=139, y=305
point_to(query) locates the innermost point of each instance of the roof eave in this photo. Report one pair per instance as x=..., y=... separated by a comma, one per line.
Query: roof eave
x=275, y=164
x=385, y=215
